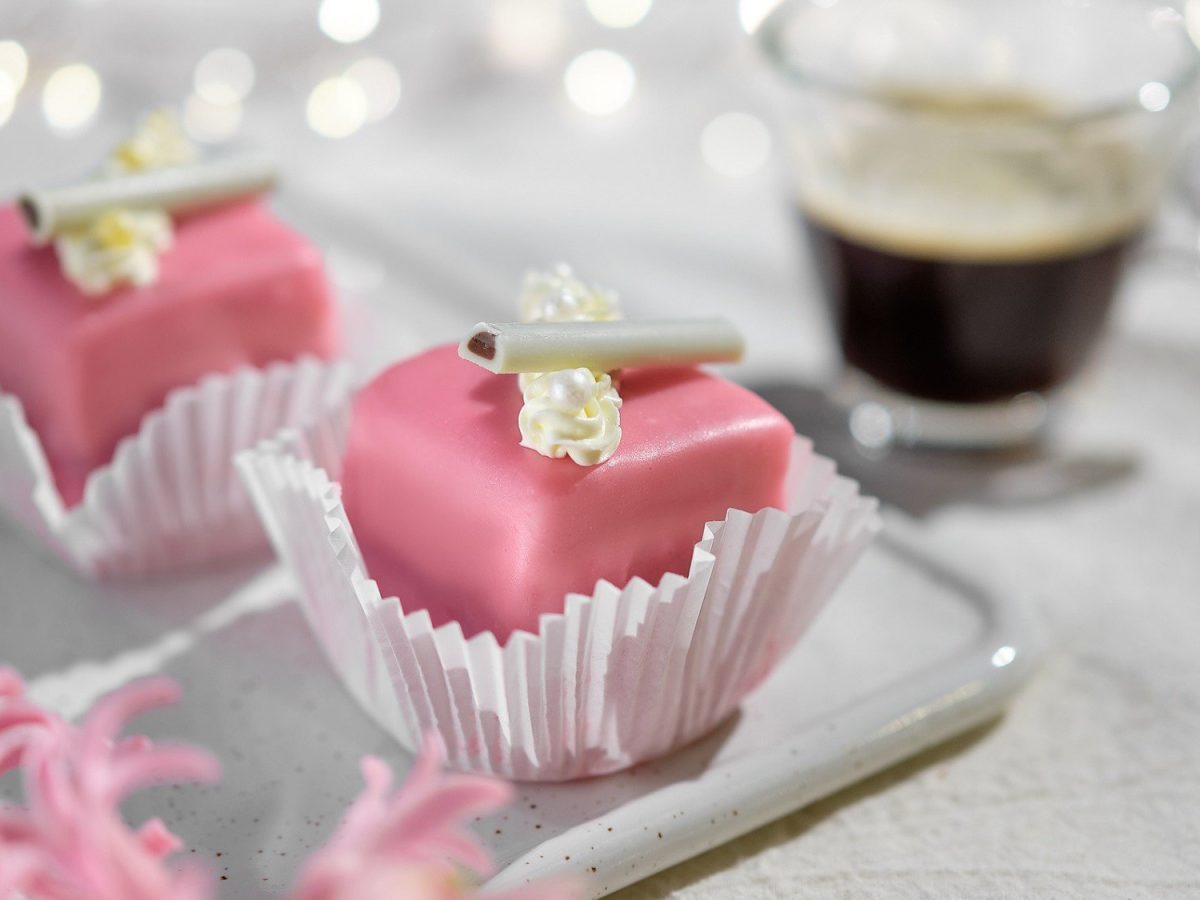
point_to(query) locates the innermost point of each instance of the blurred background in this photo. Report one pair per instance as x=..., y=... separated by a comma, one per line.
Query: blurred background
x=436, y=150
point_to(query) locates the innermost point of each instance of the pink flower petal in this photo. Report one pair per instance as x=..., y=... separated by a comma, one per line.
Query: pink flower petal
x=157, y=840
x=408, y=839
x=69, y=840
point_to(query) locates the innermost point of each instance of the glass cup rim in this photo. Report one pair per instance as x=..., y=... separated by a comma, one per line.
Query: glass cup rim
x=768, y=38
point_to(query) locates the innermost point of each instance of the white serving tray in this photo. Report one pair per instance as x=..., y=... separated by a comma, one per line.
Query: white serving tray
x=907, y=654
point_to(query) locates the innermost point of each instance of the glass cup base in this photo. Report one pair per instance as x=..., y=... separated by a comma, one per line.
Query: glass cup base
x=880, y=418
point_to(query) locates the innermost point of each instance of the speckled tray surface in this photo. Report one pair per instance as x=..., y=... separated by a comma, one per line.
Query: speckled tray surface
x=908, y=653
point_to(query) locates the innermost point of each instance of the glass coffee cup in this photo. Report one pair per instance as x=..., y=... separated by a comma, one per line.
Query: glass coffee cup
x=971, y=176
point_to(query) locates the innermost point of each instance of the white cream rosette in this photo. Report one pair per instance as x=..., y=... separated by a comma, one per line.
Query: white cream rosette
x=572, y=413
x=559, y=296
x=121, y=246
x=158, y=143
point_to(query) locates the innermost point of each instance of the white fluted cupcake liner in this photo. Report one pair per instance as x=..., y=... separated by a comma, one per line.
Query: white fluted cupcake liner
x=171, y=498
x=619, y=677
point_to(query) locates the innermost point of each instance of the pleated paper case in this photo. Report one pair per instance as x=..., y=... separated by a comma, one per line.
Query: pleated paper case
x=621, y=676
x=171, y=497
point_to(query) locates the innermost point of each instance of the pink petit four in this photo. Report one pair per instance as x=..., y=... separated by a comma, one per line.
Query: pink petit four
x=236, y=287
x=453, y=515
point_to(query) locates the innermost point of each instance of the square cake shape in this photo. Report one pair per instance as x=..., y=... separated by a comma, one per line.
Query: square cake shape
x=237, y=287
x=454, y=516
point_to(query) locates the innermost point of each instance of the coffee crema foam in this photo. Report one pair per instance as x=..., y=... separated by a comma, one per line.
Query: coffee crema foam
x=959, y=182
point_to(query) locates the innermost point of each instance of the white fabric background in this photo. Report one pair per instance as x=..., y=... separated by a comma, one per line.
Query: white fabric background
x=1090, y=786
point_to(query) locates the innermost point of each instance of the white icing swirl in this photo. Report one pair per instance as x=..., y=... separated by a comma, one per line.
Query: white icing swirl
x=158, y=143
x=120, y=245
x=123, y=245
x=559, y=296
x=572, y=412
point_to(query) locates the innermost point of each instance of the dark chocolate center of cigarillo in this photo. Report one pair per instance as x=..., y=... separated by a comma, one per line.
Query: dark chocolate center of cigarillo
x=483, y=345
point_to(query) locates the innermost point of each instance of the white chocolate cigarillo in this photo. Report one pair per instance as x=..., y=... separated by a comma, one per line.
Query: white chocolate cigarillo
x=600, y=346
x=175, y=189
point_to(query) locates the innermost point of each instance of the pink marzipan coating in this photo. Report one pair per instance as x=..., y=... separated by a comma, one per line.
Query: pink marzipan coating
x=237, y=287
x=454, y=516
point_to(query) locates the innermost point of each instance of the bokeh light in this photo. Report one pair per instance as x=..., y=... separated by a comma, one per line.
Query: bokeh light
x=224, y=76
x=599, y=82
x=8, y=90
x=71, y=97
x=6, y=110
x=735, y=144
x=14, y=66
x=525, y=33
x=619, y=13
x=211, y=122
x=348, y=21
x=752, y=12
x=1154, y=96
x=871, y=425
x=1191, y=18
x=337, y=107
x=380, y=83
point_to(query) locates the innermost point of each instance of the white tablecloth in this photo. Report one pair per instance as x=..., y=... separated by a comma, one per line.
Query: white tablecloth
x=1089, y=787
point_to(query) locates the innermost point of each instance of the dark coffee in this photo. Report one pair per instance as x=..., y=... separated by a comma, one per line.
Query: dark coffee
x=970, y=244
x=949, y=327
